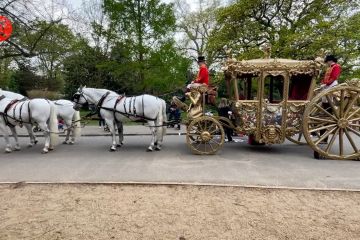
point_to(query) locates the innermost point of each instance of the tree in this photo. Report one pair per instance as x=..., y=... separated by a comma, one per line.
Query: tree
x=298, y=29
x=25, y=20
x=81, y=67
x=196, y=28
x=143, y=26
x=55, y=45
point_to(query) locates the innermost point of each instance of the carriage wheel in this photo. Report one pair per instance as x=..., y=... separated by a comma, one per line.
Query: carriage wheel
x=205, y=135
x=297, y=139
x=335, y=122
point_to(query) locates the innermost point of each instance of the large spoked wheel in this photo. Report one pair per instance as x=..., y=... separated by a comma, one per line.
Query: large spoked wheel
x=205, y=135
x=334, y=116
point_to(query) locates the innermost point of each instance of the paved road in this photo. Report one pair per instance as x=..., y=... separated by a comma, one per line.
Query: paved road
x=89, y=160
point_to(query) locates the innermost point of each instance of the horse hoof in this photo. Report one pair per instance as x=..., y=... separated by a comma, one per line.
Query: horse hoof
x=51, y=149
x=29, y=145
x=36, y=141
x=17, y=148
x=65, y=142
x=44, y=151
x=8, y=150
x=118, y=145
x=112, y=149
x=149, y=149
x=157, y=149
x=71, y=143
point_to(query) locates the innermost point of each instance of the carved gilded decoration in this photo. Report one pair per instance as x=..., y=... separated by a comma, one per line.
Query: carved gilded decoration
x=247, y=115
x=272, y=134
x=295, y=112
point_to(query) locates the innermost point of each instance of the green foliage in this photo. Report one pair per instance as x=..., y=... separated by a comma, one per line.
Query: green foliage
x=81, y=68
x=144, y=30
x=25, y=80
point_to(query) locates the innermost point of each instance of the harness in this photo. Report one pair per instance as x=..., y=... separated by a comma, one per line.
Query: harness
x=130, y=109
x=130, y=112
x=102, y=99
x=117, y=101
x=6, y=116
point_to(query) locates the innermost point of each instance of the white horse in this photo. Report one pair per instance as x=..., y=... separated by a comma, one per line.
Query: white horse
x=16, y=96
x=65, y=110
x=39, y=111
x=114, y=108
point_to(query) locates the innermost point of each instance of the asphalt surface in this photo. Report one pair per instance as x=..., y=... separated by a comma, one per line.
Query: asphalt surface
x=286, y=165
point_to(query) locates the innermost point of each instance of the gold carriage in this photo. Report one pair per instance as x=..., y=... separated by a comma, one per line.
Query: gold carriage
x=276, y=99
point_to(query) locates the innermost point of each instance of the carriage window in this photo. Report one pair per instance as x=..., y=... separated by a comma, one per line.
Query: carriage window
x=273, y=88
x=299, y=87
x=248, y=87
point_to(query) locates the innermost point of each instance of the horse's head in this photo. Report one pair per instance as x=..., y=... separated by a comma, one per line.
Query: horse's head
x=79, y=98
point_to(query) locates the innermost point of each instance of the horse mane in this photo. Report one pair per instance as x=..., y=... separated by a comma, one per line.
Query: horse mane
x=103, y=90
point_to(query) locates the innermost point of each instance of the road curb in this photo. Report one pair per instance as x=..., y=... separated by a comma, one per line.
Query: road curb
x=185, y=184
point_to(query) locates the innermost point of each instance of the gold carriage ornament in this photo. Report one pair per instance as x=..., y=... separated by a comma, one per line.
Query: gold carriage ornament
x=274, y=100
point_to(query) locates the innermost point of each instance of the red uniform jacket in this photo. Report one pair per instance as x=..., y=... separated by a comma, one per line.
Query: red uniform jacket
x=203, y=75
x=332, y=74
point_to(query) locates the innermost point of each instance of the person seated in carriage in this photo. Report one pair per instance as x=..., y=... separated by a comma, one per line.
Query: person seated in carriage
x=203, y=78
x=330, y=80
x=203, y=74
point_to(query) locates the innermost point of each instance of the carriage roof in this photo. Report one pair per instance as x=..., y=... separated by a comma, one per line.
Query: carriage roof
x=271, y=65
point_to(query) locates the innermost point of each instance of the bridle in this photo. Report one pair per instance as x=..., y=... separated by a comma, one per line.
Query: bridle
x=76, y=99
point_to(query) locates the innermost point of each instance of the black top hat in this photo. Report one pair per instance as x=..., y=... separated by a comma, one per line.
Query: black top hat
x=201, y=59
x=330, y=58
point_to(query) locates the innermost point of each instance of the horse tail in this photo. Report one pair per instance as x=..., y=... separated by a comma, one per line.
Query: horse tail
x=53, y=125
x=164, y=118
x=76, y=125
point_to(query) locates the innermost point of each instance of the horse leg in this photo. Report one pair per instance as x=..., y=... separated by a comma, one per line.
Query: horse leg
x=111, y=125
x=68, y=132
x=153, y=137
x=6, y=136
x=15, y=136
x=46, y=131
x=120, y=129
x=31, y=134
x=159, y=138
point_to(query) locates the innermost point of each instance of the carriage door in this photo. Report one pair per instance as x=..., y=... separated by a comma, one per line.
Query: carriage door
x=271, y=124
